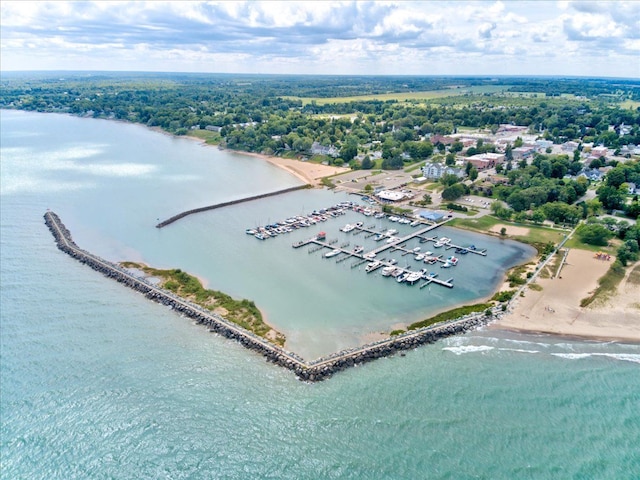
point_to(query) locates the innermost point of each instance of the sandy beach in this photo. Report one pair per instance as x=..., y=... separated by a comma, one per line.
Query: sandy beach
x=556, y=308
x=308, y=172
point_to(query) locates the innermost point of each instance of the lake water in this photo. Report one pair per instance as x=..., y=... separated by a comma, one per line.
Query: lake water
x=97, y=382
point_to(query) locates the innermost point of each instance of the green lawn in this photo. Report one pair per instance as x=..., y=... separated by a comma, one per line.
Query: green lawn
x=537, y=234
x=211, y=138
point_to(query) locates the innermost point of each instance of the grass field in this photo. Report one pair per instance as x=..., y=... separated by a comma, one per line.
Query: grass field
x=211, y=138
x=537, y=234
x=405, y=96
x=630, y=104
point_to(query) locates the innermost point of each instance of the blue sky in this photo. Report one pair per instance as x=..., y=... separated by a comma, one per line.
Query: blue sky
x=586, y=38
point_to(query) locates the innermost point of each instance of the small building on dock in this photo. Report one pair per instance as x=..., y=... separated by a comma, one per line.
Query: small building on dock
x=431, y=215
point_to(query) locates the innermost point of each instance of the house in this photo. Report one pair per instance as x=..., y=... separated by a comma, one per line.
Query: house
x=437, y=170
x=569, y=146
x=598, y=152
x=592, y=174
x=632, y=188
x=317, y=149
x=213, y=128
x=482, y=161
x=542, y=145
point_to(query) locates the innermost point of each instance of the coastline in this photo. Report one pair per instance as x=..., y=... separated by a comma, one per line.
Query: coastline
x=556, y=310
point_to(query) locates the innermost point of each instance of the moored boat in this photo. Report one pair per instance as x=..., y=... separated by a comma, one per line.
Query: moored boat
x=332, y=253
x=387, y=271
x=413, y=277
x=372, y=266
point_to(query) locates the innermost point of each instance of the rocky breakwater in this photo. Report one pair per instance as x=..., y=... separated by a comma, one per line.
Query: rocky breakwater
x=314, y=371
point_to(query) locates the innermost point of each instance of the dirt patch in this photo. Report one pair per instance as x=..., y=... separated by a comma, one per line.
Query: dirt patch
x=510, y=229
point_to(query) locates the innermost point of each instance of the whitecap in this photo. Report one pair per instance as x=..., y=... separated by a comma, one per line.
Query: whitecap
x=468, y=349
x=626, y=357
x=519, y=350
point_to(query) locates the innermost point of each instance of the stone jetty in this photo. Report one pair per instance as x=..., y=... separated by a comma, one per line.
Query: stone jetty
x=313, y=371
x=180, y=215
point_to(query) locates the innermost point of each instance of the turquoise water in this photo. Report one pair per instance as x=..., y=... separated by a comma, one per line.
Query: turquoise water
x=97, y=382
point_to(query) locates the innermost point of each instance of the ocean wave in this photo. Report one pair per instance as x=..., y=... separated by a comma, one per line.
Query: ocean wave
x=519, y=350
x=468, y=349
x=625, y=357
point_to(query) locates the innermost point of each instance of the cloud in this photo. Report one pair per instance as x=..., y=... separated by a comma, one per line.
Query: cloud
x=305, y=37
x=484, y=31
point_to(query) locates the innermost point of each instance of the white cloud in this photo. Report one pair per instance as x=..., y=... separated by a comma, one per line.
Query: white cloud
x=317, y=36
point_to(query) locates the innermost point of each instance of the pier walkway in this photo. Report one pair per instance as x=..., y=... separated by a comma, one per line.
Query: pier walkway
x=316, y=370
x=226, y=204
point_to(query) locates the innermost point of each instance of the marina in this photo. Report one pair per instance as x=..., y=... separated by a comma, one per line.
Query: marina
x=392, y=244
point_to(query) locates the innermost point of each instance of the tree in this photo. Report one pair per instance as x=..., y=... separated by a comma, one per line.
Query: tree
x=453, y=192
x=450, y=159
x=610, y=197
x=594, y=234
x=473, y=174
x=367, y=164
x=503, y=231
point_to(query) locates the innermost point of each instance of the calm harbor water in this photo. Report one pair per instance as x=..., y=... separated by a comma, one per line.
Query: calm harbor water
x=99, y=383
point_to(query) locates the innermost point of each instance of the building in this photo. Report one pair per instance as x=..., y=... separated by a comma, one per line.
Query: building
x=437, y=170
x=431, y=215
x=390, y=195
x=482, y=161
x=592, y=174
x=598, y=152
x=522, y=153
x=317, y=149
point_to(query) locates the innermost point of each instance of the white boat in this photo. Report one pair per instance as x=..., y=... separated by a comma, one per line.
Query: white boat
x=396, y=272
x=446, y=264
x=369, y=255
x=428, y=253
x=332, y=253
x=250, y=231
x=417, y=249
x=415, y=223
x=392, y=239
x=402, y=277
x=393, y=218
x=413, y=277
x=431, y=260
x=387, y=271
x=391, y=232
x=358, y=249
x=444, y=240
x=347, y=228
x=420, y=257
x=393, y=261
x=372, y=266
x=438, y=244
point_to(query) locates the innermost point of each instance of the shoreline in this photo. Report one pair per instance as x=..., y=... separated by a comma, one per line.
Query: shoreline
x=556, y=310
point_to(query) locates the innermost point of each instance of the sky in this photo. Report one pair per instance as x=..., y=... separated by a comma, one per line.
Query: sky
x=508, y=37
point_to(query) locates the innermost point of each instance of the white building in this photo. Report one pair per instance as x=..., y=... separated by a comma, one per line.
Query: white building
x=437, y=170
